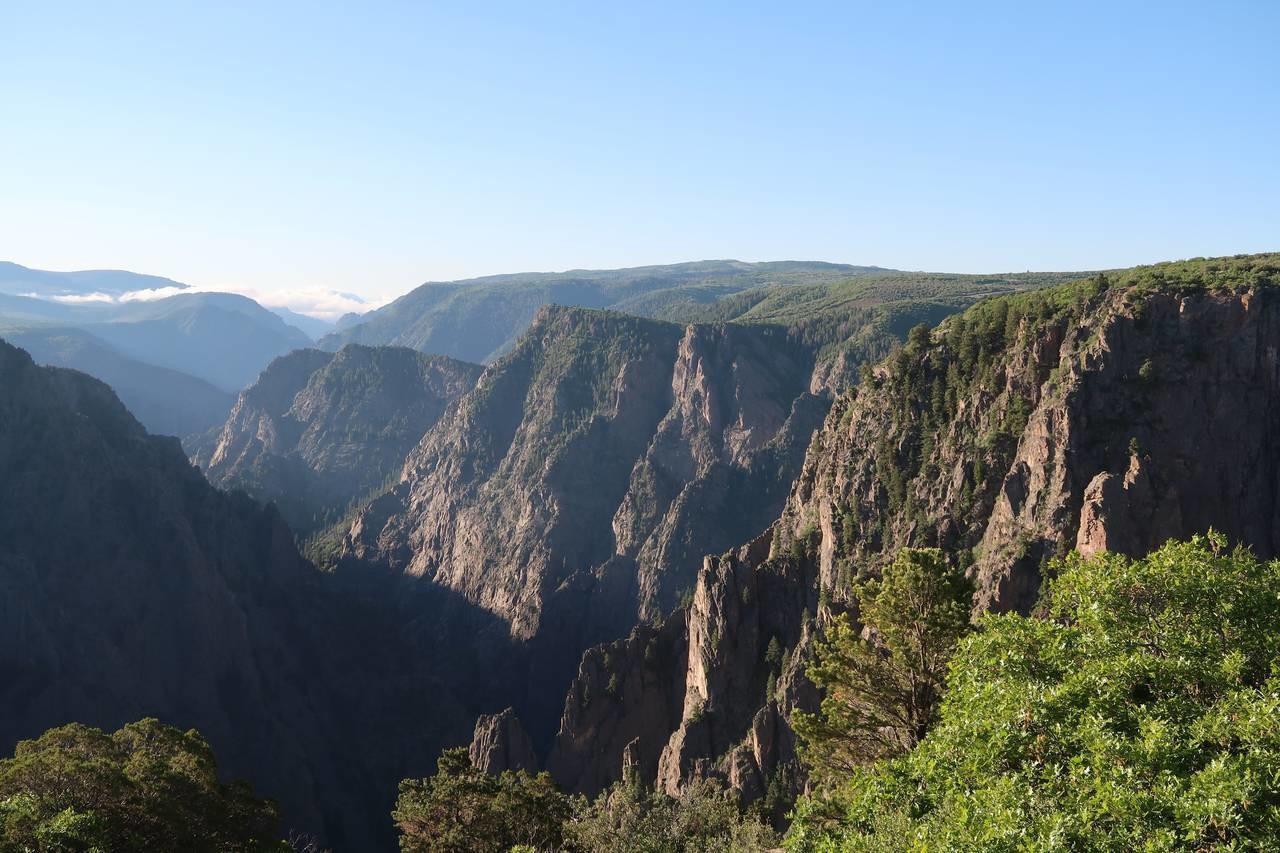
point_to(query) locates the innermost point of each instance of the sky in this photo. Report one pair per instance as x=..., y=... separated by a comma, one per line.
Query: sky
x=308, y=150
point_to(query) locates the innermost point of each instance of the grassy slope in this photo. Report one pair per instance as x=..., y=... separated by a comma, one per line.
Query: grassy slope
x=861, y=319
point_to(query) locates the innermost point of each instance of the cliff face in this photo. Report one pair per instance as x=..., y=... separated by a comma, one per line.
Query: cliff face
x=319, y=430
x=574, y=491
x=1129, y=417
x=1102, y=415
x=130, y=588
x=627, y=698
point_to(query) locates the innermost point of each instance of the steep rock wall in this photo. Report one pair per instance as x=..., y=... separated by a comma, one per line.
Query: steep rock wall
x=1109, y=414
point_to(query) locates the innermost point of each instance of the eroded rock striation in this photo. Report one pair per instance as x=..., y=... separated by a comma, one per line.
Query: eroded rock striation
x=574, y=492
x=500, y=743
x=319, y=430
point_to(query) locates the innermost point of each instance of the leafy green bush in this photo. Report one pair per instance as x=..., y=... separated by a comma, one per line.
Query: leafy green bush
x=1144, y=714
x=146, y=787
x=466, y=810
x=632, y=818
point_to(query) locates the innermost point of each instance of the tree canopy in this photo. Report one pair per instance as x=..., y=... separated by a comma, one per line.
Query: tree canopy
x=467, y=810
x=145, y=787
x=462, y=808
x=632, y=818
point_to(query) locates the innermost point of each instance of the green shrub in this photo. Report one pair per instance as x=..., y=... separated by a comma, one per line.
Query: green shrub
x=1143, y=715
x=466, y=810
x=632, y=818
x=145, y=787
x=881, y=696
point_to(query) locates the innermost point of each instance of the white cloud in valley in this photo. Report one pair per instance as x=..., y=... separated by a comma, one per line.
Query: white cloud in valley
x=324, y=304
x=75, y=298
x=314, y=302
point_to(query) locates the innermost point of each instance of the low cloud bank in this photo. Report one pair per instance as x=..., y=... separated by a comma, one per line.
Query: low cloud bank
x=319, y=303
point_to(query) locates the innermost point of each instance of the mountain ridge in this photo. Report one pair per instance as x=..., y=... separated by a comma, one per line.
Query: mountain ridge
x=166, y=401
x=480, y=319
x=571, y=492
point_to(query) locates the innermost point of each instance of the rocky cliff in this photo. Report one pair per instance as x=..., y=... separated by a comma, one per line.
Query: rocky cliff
x=129, y=587
x=1112, y=413
x=575, y=490
x=319, y=430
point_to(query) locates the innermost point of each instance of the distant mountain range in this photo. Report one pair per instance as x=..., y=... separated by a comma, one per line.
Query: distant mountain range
x=94, y=320
x=480, y=319
x=223, y=338
x=45, y=284
x=176, y=360
x=315, y=327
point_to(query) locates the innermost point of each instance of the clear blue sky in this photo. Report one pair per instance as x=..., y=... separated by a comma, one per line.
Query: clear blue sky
x=369, y=147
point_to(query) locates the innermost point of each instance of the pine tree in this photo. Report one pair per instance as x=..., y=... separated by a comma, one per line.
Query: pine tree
x=883, y=690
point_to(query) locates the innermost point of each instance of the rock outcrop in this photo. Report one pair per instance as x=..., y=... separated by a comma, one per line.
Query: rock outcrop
x=1106, y=414
x=319, y=430
x=622, y=707
x=500, y=744
x=704, y=695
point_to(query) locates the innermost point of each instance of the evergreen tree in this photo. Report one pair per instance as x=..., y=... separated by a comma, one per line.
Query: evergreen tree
x=466, y=810
x=882, y=691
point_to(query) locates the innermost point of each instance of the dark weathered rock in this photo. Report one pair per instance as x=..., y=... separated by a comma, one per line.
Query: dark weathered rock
x=500, y=743
x=319, y=430
x=622, y=707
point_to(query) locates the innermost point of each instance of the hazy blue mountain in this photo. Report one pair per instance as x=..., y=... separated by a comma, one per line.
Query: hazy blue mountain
x=27, y=309
x=166, y=402
x=315, y=327
x=480, y=319
x=349, y=319
x=222, y=338
x=17, y=279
